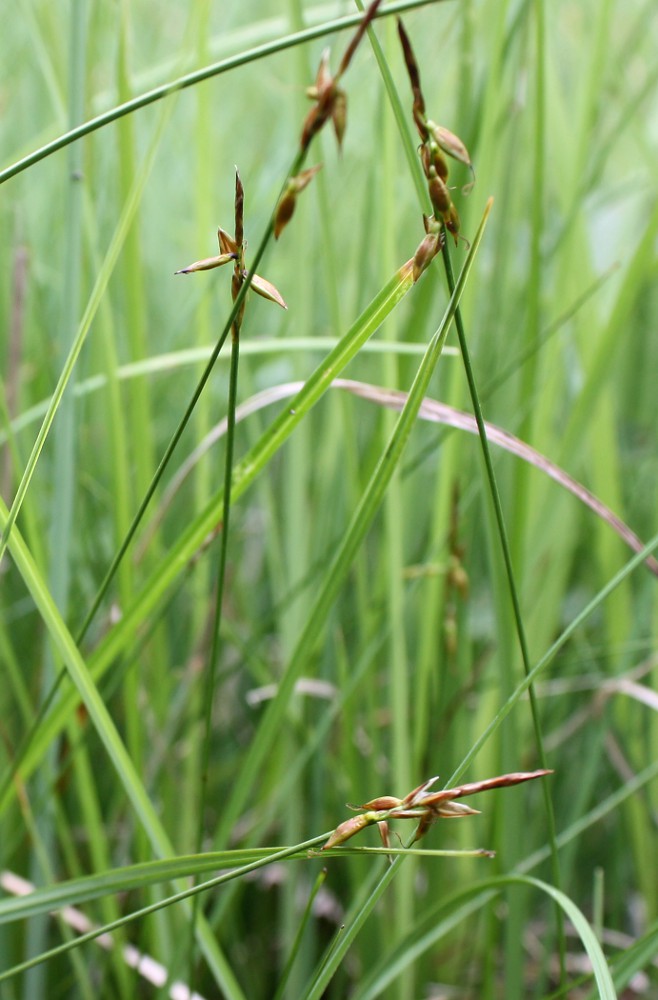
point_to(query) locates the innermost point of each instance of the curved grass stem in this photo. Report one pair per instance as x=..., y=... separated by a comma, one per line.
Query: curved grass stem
x=513, y=590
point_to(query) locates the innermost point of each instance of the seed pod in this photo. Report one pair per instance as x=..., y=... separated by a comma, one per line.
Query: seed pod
x=439, y=195
x=418, y=794
x=458, y=578
x=452, y=145
x=453, y=810
x=303, y=179
x=314, y=121
x=347, y=829
x=322, y=80
x=425, y=254
x=239, y=213
x=438, y=161
x=383, y=802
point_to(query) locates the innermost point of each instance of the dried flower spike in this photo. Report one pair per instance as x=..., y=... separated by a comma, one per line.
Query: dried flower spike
x=436, y=141
x=232, y=249
x=414, y=79
x=331, y=99
x=423, y=805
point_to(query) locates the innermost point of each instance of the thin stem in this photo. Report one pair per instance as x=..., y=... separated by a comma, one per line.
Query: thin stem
x=211, y=672
x=145, y=911
x=164, y=461
x=514, y=596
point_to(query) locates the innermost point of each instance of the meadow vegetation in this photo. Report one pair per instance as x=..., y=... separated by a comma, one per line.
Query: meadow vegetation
x=259, y=562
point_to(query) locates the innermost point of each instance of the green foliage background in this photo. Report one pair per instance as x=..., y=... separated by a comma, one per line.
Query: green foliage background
x=402, y=673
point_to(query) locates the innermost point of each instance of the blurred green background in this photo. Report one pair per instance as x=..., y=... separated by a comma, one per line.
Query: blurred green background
x=557, y=105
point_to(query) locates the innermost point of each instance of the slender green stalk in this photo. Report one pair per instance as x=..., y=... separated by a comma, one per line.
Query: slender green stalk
x=303, y=924
x=246, y=471
x=64, y=493
x=213, y=656
x=179, y=897
x=514, y=596
x=100, y=287
x=182, y=424
x=551, y=652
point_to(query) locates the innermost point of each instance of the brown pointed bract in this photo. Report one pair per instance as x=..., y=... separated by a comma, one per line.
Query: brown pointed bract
x=207, y=263
x=266, y=289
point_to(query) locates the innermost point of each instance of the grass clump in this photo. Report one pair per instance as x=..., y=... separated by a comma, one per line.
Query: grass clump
x=220, y=624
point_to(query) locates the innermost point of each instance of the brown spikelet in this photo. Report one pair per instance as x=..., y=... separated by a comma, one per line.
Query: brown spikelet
x=414, y=79
x=239, y=211
x=288, y=200
x=356, y=38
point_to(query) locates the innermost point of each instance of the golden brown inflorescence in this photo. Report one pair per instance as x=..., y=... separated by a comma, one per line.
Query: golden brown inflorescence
x=330, y=99
x=422, y=805
x=232, y=249
x=435, y=142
